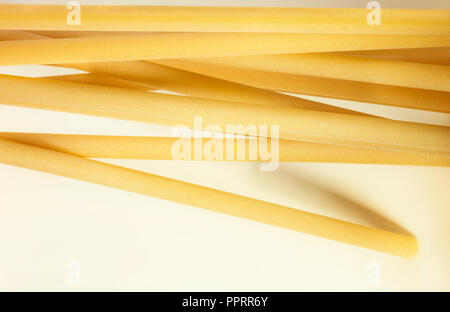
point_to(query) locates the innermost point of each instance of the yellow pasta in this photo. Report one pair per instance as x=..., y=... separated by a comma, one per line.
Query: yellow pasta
x=293, y=123
x=100, y=79
x=224, y=19
x=428, y=55
x=75, y=167
x=437, y=56
x=77, y=34
x=334, y=88
x=186, y=45
x=8, y=35
x=229, y=65
x=161, y=148
x=184, y=82
x=347, y=67
x=104, y=80
x=141, y=74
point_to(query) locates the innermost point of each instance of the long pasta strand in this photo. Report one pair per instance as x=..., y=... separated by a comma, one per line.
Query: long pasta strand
x=104, y=80
x=186, y=45
x=142, y=75
x=70, y=166
x=347, y=67
x=224, y=19
x=437, y=56
x=99, y=79
x=293, y=123
x=161, y=148
x=334, y=88
x=184, y=82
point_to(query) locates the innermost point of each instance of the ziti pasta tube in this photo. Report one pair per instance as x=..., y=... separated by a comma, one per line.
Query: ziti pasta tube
x=438, y=101
x=141, y=74
x=172, y=110
x=346, y=67
x=66, y=165
x=190, y=45
x=224, y=19
x=161, y=148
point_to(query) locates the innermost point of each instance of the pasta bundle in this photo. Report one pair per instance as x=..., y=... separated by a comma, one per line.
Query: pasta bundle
x=229, y=68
